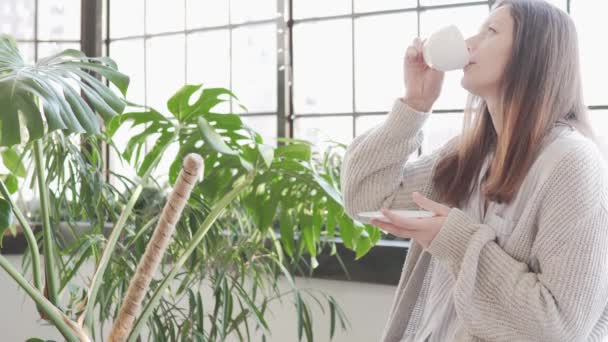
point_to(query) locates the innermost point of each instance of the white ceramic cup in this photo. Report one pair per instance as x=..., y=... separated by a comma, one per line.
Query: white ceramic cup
x=446, y=49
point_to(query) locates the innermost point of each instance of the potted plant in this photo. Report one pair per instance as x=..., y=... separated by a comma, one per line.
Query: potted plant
x=248, y=188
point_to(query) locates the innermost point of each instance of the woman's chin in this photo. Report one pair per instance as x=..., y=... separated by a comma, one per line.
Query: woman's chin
x=464, y=82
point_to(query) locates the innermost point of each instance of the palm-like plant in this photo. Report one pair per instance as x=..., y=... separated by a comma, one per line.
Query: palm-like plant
x=284, y=184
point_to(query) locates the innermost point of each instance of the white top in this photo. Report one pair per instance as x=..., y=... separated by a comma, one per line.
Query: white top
x=439, y=321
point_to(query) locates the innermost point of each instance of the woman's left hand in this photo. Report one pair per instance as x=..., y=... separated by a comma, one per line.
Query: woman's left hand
x=423, y=230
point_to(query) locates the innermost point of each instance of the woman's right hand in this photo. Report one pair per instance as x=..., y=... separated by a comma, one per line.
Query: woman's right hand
x=422, y=83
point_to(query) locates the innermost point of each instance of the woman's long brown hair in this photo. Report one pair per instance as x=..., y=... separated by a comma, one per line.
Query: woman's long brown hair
x=541, y=85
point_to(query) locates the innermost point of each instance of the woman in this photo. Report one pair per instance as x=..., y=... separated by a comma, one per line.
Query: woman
x=518, y=247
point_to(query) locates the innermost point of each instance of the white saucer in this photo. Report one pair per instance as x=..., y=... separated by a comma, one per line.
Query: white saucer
x=405, y=213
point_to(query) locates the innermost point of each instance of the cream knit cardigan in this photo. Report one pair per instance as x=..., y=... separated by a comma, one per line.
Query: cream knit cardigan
x=535, y=269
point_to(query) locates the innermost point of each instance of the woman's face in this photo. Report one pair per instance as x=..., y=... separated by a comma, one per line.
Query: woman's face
x=490, y=51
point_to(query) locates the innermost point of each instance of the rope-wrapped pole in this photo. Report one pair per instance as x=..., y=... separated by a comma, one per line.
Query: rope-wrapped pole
x=192, y=168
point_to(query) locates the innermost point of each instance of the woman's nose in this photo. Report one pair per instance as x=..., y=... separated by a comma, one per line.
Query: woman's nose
x=470, y=43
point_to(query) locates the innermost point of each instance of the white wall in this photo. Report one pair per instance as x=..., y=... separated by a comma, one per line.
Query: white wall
x=366, y=306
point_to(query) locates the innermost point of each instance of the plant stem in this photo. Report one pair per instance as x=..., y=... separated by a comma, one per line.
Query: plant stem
x=216, y=211
x=87, y=315
x=47, y=233
x=51, y=311
x=29, y=236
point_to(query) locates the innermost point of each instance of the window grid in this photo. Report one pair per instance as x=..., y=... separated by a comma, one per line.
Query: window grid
x=108, y=40
x=286, y=114
x=294, y=115
x=36, y=41
x=353, y=15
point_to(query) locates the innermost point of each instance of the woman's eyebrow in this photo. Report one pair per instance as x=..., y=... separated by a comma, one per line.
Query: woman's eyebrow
x=490, y=22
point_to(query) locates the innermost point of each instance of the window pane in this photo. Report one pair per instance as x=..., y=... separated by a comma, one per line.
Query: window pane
x=367, y=122
x=59, y=19
x=562, y=4
x=129, y=55
x=320, y=129
x=165, y=16
x=48, y=49
x=27, y=51
x=440, y=128
x=126, y=18
x=205, y=13
x=468, y=20
x=382, y=5
x=444, y=2
x=209, y=61
x=165, y=70
x=17, y=18
x=599, y=123
x=265, y=125
x=320, y=8
x=322, y=67
x=380, y=43
x=591, y=23
x=247, y=10
x=254, y=69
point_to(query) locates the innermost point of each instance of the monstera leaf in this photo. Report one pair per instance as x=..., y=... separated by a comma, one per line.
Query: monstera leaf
x=58, y=92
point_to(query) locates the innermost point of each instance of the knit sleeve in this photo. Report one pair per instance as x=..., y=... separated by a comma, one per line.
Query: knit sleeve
x=500, y=298
x=375, y=170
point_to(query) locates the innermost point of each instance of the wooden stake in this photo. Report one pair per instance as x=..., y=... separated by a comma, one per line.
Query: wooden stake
x=192, y=168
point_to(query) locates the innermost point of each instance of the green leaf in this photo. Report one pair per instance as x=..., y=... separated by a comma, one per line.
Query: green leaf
x=120, y=80
x=209, y=98
x=363, y=246
x=346, y=230
x=332, y=221
x=211, y=137
x=332, y=317
x=178, y=103
x=6, y=217
x=231, y=122
x=10, y=133
x=307, y=232
x=155, y=154
x=12, y=184
x=268, y=211
x=267, y=153
x=329, y=189
x=174, y=169
x=294, y=151
x=31, y=115
x=83, y=113
x=12, y=161
x=286, y=228
x=108, y=96
x=54, y=84
x=103, y=108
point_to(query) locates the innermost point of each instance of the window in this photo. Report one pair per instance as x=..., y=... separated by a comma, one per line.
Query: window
x=164, y=45
x=345, y=83
x=342, y=84
x=353, y=75
x=58, y=23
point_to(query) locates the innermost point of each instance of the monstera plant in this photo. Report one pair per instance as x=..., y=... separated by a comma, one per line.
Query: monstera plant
x=36, y=102
x=258, y=212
